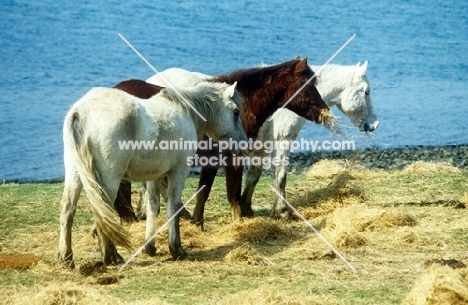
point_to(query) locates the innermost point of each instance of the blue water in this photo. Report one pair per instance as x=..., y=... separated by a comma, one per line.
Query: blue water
x=53, y=52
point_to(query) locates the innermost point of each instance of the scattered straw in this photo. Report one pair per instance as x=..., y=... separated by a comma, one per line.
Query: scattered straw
x=258, y=229
x=364, y=218
x=440, y=285
x=264, y=296
x=340, y=191
x=348, y=239
x=246, y=254
x=422, y=167
x=67, y=293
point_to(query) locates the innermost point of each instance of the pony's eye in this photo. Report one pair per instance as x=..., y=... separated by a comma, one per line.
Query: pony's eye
x=367, y=92
x=236, y=113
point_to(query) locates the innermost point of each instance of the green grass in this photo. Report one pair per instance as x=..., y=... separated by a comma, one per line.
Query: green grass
x=386, y=270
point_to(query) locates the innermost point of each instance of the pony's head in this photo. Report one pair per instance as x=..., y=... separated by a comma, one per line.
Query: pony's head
x=218, y=106
x=355, y=100
x=227, y=125
x=303, y=97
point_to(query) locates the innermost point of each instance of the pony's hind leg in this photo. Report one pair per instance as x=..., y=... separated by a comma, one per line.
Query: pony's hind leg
x=109, y=253
x=123, y=202
x=71, y=193
x=152, y=212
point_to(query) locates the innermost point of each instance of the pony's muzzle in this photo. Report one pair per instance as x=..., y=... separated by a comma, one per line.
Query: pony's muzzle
x=370, y=127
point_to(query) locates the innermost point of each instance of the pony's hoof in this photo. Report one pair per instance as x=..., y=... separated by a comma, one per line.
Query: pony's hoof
x=247, y=213
x=141, y=216
x=150, y=250
x=70, y=265
x=185, y=214
x=284, y=214
x=114, y=259
x=178, y=254
x=198, y=223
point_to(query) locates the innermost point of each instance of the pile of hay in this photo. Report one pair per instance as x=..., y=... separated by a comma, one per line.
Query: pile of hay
x=246, y=254
x=347, y=225
x=258, y=229
x=440, y=285
x=339, y=192
x=327, y=169
x=422, y=167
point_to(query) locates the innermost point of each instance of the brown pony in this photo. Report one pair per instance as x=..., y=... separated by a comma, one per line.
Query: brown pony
x=264, y=89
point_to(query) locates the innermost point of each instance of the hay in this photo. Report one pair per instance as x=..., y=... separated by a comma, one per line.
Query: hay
x=258, y=229
x=364, y=218
x=348, y=226
x=67, y=293
x=348, y=239
x=422, y=167
x=247, y=255
x=338, y=192
x=440, y=285
x=327, y=169
x=264, y=296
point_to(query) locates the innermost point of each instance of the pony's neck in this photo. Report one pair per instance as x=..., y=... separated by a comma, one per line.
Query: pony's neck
x=331, y=82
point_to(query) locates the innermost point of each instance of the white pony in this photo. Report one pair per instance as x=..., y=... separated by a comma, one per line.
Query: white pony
x=94, y=158
x=346, y=87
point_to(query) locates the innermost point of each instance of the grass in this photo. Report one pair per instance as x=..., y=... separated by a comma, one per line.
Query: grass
x=386, y=223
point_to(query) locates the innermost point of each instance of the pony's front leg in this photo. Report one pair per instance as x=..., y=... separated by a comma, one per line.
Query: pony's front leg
x=174, y=193
x=207, y=176
x=234, y=189
x=71, y=193
x=280, y=208
x=152, y=213
x=253, y=175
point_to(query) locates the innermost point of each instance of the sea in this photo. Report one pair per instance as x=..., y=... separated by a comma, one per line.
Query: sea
x=53, y=52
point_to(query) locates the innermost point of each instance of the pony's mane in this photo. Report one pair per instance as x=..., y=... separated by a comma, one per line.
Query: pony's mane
x=204, y=97
x=258, y=75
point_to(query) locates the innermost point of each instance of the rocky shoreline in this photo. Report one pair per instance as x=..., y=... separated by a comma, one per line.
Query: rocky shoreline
x=391, y=158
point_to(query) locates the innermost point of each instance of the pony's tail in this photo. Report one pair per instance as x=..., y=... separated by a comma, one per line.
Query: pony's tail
x=104, y=215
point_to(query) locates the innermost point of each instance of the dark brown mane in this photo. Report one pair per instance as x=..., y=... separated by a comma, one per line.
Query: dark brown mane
x=255, y=77
x=138, y=88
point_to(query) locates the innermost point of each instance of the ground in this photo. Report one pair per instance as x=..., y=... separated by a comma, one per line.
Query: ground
x=388, y=225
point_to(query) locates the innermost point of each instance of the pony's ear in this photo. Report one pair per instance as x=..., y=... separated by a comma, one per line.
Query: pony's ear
x=358, y=64
x=297, y=58
x=301, y=66
x=362, y=69
x=229, y=92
